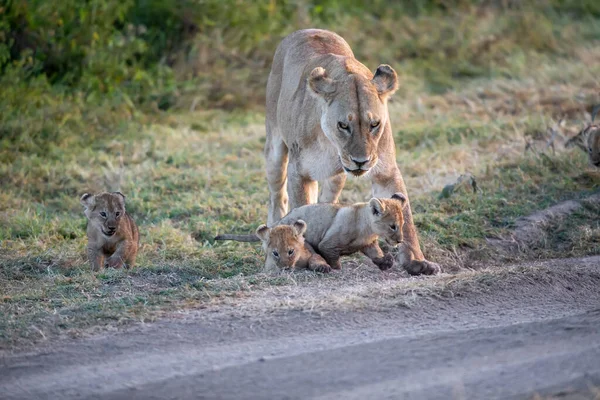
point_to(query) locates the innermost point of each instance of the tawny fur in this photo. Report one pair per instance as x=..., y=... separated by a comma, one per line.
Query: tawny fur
x=113, y=236
x=588, y=140
x=285, y=248
x=327, y=115
x=334, y=230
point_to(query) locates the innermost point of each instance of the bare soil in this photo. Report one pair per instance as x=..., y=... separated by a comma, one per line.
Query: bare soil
x=512, y=332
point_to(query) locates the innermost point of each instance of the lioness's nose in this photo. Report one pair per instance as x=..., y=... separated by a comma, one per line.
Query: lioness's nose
x=359, y=163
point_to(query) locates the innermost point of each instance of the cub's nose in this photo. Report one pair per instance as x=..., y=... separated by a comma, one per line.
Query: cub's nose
x=360, y=162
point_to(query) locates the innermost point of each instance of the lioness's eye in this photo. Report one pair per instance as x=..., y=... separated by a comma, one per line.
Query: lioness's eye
x=275, y=253
x=394, y=227
x=374, y=124
x=343, y=126
x=103, y=214
x=117, y=213
x=290, y=252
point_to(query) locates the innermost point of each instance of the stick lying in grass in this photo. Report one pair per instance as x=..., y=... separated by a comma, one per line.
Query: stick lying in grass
x=588, y=140
x=334, y=230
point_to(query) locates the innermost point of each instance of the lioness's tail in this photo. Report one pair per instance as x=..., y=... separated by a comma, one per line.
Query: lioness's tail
x=238, y=238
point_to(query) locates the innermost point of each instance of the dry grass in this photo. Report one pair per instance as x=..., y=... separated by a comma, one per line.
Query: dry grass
x=196, y=174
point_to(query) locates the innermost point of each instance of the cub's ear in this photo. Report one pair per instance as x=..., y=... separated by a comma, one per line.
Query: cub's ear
x=385, y=80
x=320, y=84
x=300, y=227
x=400, y=197
x=121, y=195
x=263, y=232
x=377, y=206
x=87, y=200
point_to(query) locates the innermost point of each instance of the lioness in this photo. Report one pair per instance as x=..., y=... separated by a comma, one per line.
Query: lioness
x=285, y=248
x=326, y=116
x=334, y=230
x=112, y=233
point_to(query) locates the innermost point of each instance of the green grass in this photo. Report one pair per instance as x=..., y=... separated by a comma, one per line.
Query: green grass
x=189, y=175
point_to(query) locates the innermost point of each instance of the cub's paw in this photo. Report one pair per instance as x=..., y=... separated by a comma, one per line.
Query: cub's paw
x=322, y=268
x=384, y=263
x=423, y=267
x=113, y=263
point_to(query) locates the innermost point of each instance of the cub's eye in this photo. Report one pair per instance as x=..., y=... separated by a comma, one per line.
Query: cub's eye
x=275, y=254
x=375, y=124
x=343, y=126
x=118, y=214
x=103, y=214
x=290, y=252
x=394, y=227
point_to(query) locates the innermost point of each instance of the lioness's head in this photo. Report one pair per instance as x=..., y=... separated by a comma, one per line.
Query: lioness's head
x=387, y=218
x=283, y=244
x=593, y=144
x=354, y=113
x=104, y=211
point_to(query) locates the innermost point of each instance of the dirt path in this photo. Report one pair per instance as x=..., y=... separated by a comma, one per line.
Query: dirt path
x=511, y=340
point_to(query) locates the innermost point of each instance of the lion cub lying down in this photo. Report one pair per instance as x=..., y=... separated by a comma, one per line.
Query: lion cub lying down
x=334, y=230
x=285, y=248
x=113, y=237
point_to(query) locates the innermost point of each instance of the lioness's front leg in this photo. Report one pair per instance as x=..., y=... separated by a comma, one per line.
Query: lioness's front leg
x=331, y=189
x=385, y=183
x=301, y=190
x=276, y=156
x=374, y=252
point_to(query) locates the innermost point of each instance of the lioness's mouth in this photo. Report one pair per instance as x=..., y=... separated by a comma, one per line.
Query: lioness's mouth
x=108, y=233
x=356, y=172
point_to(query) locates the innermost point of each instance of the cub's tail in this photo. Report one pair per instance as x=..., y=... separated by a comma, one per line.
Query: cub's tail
x=238, y=238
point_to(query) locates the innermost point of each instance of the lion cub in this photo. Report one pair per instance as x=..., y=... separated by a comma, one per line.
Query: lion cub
x=588, y=140
x=334, y=230
x=285, y=248
x=113, y=237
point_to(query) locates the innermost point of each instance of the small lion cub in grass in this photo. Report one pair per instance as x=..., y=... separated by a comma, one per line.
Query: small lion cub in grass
x=285, y=248
x=588, y=140
x=113, y=236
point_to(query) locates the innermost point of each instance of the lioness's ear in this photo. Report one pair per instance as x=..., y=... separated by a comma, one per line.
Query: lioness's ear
x=377, y=206
x=385, y=80
x=401, y=197
x=320, y=83
x=300, y=227
x=263, y=232
x=87, y=200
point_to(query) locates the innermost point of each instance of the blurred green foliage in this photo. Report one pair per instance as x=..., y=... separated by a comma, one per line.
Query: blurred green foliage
x=66, y=65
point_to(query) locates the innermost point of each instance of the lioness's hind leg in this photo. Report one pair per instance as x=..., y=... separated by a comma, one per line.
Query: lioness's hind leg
x=276, y=157
x=332, y=188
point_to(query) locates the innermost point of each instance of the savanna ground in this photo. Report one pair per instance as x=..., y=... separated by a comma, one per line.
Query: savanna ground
x=483, y=87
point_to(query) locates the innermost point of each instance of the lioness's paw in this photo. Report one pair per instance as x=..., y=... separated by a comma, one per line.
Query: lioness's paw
x=423, y=267
x=384, y=263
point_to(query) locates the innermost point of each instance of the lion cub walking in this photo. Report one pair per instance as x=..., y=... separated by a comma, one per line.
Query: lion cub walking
x=334, y=230
x=113, y=236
